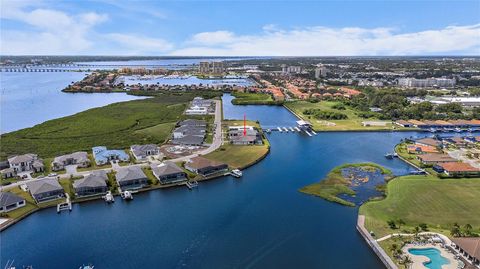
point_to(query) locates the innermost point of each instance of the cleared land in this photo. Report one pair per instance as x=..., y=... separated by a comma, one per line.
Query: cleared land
x=253, y=99
x=335, y=184
x=117, y=125
x=352, y=123
x=425, y=199
x=239, y=156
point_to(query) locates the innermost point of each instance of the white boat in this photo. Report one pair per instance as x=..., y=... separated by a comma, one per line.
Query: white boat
x=279, y=129
x=109, y=197
x=86, y=267
x=285, y=129
x=298, y=129
x=191, y=184
x=236, y=173
x=126, y=195
x=291, y=129
x=458, y=130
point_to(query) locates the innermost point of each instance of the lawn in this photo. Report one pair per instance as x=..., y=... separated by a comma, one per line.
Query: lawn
x=253, y=99
x=239, y=156
x=335, y=184
x=117, y=125
x=352, y=123
x=425, y=199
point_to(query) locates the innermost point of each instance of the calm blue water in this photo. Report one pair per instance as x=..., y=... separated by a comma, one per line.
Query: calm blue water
x=435, y=256
x=131, y=80
x=27, y=99
x=258, y=221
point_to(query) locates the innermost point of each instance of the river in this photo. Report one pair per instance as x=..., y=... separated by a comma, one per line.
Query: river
x=258, y=221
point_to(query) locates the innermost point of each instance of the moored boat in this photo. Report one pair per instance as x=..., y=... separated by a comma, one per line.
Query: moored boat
x=236, y=173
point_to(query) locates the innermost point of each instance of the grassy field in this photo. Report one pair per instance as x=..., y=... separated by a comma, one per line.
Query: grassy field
x=353, y=122
x=335, y=184
x=253, y=99
x=117, y=125
x=239, y=156
x=425, y=199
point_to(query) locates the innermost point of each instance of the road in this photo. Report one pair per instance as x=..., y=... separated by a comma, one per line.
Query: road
x=216, y=143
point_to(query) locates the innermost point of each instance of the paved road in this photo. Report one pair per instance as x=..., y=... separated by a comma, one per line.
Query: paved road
x=217, y=142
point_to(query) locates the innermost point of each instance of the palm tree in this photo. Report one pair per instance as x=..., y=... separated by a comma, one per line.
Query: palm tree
x=407, y=261
x=468, y=229
x=393, y=248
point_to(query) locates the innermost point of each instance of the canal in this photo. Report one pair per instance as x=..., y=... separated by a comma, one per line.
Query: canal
x=258, y=221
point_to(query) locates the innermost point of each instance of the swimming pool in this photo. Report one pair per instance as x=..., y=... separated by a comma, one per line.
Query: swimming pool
x=436, y=259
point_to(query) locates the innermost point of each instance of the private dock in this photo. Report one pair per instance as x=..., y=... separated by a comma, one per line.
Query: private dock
x=67, y=205
x=191, y=184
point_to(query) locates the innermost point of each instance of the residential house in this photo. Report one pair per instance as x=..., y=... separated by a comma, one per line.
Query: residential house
x=93, y=184
x=10, y=201
x=190, y=132
x=428, y=142
x=417, y=123
x=204, y=166
x=470, y=246
x=131, y=177
x=248, y=136
x=434, y=158
x=421, y=149
x=404, y=123
x=26, y=163
x=8, y=173
x=193, y=122
x=45, y=189
x=80, y=159
x=141, y=152
x=456, y=141
x=459, y=169
x=168, y=172
x=102, y=155
x=196, y=110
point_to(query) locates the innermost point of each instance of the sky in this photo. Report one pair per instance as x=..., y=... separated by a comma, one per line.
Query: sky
x=240, y=28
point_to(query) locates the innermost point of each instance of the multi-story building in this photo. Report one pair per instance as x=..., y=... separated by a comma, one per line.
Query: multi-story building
x=211, y=67
x=320, y=71
x=426, y=83
x=292, y=69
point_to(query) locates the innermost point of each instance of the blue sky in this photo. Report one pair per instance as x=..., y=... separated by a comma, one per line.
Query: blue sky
x=223, y=28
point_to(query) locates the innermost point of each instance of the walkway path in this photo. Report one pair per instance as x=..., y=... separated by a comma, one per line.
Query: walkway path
x=443, y=237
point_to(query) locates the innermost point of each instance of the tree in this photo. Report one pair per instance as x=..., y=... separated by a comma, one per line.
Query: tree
x=423, y=226
x=400, y=223
x=468, y=229
x=406, y=261
x=391, y=224
x=455, y=230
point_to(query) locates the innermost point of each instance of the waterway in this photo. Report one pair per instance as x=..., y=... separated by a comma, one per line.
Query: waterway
x=27, y=99
x=258, y=221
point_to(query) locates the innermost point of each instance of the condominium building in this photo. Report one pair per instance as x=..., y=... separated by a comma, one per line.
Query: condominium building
x=211, y=67
x=426, y=83
x=320, y=71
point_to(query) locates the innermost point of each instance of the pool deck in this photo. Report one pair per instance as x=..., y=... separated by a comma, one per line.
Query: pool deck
x=418, y=260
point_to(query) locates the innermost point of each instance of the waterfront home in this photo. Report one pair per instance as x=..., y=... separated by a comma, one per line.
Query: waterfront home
x=8, y=173
x=93, y=184
x=102, y=155
x=470, y=247
x=168, y=172
x=204, y=166
x=45, y=189
x=247, y=136
x=456, y=141
x=80, y=159
x=131, y=177
x=428, y=142
x=10, y=201
x=26, y=163
x=417, y=123
x=434, y=158
x=421, y=149
x=459, y=169
x=141, y=152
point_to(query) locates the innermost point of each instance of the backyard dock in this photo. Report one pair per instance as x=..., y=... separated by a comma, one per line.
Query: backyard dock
x=67, y=205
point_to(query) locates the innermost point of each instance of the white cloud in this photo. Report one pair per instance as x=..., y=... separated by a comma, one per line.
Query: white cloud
x=324, y=41
x=139, y=44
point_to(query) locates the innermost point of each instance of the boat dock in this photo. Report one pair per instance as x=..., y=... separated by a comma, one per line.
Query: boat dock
x=67, y=205
x=191, y=184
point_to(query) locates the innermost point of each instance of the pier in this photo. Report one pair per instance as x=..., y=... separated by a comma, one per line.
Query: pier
x=67, y=205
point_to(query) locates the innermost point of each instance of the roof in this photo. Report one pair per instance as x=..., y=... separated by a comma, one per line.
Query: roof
x=435, y=157
x=189, y=140
x=166, y=168
x=192, y=122
x=8, y=198
x=80, y=156
x=128, y=173
x=422, y=148
x=458, y=167
x=201, y=162
x=429, y=141
x=29, y=157
x=44, y=185
x=101, y=153
x=471, y=245
x=95, y=179
x=403, y=122
x=140, y=150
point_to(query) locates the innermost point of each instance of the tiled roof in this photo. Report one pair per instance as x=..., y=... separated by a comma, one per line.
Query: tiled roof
x=459, y=167
x=471, y=245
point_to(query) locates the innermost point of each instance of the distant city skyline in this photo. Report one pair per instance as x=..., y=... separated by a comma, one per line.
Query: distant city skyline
x=240, y=28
